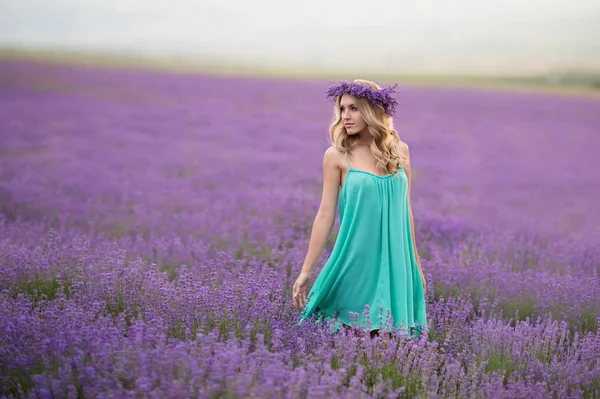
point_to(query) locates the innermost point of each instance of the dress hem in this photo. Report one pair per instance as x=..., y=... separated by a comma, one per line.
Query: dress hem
x=414, y=330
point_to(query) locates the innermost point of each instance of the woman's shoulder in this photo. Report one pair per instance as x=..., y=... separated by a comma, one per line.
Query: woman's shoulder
x=403, y=152
x=333, y=156
x=333, y=152
x=402, y=147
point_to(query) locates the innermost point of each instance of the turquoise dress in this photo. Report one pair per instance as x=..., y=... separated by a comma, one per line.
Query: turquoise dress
x=373, y=260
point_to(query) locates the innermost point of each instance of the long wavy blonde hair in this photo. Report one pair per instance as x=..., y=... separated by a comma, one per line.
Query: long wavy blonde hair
x=379, y=125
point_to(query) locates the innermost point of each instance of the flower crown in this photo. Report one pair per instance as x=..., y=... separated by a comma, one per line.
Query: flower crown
x=381, y=97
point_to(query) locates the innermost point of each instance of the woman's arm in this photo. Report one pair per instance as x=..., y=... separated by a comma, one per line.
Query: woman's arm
x=412, y=223
x=327, y=210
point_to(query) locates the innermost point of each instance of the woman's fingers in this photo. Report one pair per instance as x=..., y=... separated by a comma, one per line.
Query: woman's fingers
x=298, y=296
x=298, y=299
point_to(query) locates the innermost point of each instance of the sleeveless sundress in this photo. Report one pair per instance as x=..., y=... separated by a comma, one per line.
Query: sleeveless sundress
x=373, y=260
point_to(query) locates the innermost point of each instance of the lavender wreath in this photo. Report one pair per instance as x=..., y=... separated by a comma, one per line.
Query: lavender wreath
x=381, y=97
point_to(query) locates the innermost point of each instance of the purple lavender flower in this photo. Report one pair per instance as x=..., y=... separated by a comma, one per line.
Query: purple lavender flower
x=112, y=181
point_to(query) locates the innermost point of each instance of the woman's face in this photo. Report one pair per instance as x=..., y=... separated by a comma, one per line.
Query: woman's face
x=351, y=116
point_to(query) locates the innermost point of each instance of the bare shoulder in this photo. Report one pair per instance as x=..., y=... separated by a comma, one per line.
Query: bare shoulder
x=333, y=157
x=403, y=150
x=331, y=152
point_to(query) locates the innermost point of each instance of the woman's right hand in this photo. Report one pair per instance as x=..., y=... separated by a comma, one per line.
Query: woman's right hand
x=299, y=290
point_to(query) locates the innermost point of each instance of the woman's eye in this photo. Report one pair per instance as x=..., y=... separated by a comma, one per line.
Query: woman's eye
x=354, y=108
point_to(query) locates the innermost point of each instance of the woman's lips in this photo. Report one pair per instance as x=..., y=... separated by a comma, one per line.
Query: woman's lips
x=348, y=124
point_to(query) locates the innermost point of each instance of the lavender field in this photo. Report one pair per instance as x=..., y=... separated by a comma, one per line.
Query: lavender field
x=152, y=226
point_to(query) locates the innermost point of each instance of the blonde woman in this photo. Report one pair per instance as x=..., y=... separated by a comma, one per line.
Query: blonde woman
x=374, y=268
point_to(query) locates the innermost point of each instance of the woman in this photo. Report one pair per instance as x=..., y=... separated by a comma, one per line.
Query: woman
x=374, y=261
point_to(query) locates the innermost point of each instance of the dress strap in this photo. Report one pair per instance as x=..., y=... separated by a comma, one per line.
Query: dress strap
x=346, y=155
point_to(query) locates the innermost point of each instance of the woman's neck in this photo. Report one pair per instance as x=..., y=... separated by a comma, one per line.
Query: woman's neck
x=364, y=141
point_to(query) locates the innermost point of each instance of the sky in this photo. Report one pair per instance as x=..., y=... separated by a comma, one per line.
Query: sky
x=414, y=36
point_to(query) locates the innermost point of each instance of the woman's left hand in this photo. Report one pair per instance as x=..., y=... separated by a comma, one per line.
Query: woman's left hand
x=299, y=290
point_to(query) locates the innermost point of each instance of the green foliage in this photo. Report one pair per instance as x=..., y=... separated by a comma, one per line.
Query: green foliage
x=118, y=304
x=499, y=361
x=44, y=288
x=525, y=305
x=121, y=229
x=592, y=390
x=444, y=290
x=250, y=250
x=588, y=321
x=412, y=384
